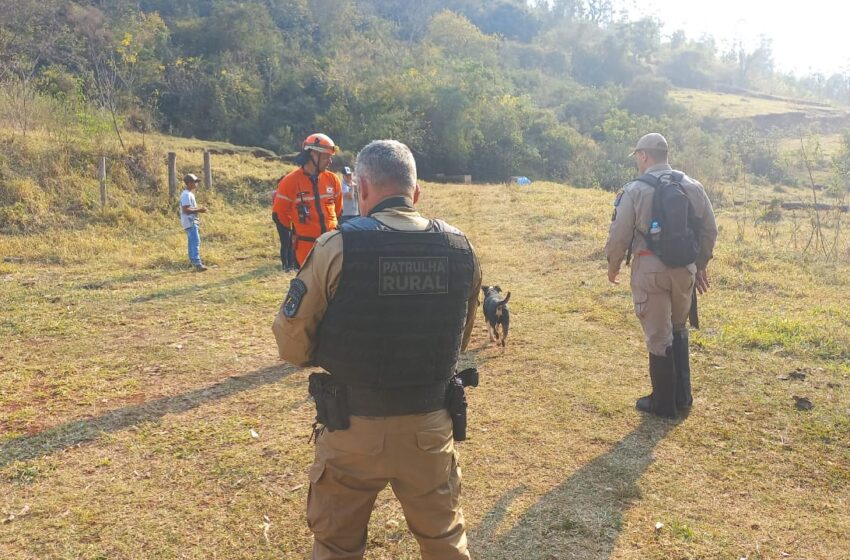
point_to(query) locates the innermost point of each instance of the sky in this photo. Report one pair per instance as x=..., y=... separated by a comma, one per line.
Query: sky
x=807, y=37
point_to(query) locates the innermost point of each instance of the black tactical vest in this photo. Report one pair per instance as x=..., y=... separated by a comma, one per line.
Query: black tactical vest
x=397, y=318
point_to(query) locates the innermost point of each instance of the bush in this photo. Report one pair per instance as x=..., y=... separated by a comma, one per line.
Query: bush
x=144, y=165
x=690, y=68
x=23, y=205
x=585, y=108
x=760, y=155
x=647, y=96
x=616, y=137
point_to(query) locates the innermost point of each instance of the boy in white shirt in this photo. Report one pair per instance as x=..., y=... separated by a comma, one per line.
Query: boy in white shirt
x=350, y=207
x=190, y=220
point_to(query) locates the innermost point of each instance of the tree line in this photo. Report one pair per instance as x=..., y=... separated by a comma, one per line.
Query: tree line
x=553, y=89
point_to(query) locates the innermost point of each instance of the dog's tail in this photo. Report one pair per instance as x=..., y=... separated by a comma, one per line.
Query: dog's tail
x=504, y=301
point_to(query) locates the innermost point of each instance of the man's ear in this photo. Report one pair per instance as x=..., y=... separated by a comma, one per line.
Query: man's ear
x=417, y=190
x=363, y=188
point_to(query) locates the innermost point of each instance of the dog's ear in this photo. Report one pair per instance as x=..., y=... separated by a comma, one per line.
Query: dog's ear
x=484, y=289
x=497, y=288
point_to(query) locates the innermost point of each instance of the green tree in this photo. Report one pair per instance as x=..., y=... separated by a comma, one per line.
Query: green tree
x=689, y=67
x=647, y=95
x=616, y=137
x=459, y=38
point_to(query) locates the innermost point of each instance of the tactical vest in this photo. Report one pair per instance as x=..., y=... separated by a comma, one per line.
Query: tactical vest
x=396, y=321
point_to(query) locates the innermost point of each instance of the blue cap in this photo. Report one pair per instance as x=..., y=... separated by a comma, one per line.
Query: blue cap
x=346, y=170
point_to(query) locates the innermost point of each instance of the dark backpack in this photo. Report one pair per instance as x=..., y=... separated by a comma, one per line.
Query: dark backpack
x=673, y=228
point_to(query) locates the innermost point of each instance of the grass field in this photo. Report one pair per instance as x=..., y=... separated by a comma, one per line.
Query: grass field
x=827, y=144
x=130, y=386
x=737, y=106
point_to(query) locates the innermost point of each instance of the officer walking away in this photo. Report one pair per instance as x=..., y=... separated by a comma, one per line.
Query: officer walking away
x=310, y=198
x=284, y=232
x=384, y=305
x=349, y=197
x=190, y=220
x=665, y=221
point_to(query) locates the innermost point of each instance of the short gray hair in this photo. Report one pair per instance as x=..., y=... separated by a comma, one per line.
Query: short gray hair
x=387, y=165
x=657, y=156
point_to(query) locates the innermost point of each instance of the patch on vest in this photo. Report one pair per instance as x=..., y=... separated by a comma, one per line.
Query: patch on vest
x=413, y=276
x=297, y=291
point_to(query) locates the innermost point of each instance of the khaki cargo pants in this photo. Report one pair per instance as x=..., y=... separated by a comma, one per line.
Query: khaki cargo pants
x=662, y=298
x=415, y=454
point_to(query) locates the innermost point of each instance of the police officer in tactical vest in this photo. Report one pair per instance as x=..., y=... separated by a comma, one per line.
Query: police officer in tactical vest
x=671, y=246
x=384, y=305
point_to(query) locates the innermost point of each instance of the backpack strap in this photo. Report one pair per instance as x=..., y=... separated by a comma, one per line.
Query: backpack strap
x=654, y=182
x=649, y=179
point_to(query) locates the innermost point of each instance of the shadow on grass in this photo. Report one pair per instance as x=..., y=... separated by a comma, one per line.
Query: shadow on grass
x=81, y=431
x=194, y=288
x=117, y=281
x=583, y=516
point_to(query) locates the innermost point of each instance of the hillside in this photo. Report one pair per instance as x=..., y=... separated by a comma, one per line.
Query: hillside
x=129, y=387
x=552, y=90
x=50, y=182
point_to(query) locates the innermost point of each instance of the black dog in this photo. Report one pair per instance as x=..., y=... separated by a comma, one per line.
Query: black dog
x=496, y=312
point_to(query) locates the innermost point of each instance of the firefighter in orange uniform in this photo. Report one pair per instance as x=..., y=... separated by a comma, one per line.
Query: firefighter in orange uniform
x=311, y=196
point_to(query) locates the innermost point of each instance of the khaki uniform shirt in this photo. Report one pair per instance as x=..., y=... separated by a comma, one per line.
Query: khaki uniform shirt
x=633, y=212
x=296, y=336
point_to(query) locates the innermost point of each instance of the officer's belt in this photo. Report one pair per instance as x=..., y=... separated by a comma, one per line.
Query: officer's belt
x=396, y=401
x=304, y=238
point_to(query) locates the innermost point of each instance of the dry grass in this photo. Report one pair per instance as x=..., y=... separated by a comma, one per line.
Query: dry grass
x=49, y=181
x=827, y=144
x=738, y=106
x=129, y=386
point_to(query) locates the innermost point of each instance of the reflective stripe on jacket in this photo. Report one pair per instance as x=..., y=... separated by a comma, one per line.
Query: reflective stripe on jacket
x=323, y=203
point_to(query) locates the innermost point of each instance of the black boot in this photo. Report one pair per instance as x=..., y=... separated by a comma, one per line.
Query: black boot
x=662, y=400
x=644, y=404
x=684, y=399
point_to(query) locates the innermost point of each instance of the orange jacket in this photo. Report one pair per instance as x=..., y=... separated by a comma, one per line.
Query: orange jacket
x=323, y=203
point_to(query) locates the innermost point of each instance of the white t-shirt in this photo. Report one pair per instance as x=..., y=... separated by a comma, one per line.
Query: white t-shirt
x=349, y=201
x=187, y=198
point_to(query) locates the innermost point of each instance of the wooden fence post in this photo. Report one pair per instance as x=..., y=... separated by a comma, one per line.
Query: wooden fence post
x=103, y=181
x=172, y=175
x=207, y=171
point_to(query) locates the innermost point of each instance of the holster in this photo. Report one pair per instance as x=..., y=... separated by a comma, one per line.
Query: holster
x=693, y=313
x=456, y=400
x=331, y=398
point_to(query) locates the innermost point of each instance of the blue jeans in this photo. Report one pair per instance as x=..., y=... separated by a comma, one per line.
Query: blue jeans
x=194, y=244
